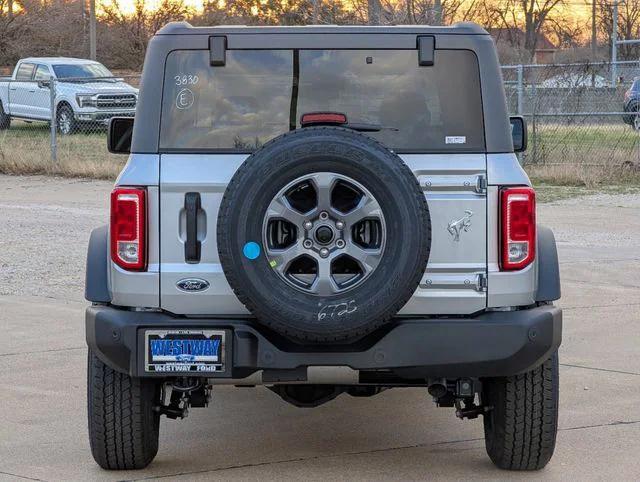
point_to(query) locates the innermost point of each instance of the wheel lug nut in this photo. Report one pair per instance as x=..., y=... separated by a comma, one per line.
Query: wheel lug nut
x=307, y=225
x=324, y=252
x=340, y=243
x=324, y=215
x=339, y=225
x=307, y=243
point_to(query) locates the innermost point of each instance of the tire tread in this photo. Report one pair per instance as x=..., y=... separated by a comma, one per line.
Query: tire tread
x=123, y=428
x=520, y=430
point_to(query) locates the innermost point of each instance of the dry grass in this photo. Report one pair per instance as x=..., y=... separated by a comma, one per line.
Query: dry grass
x=25, y=149
x=584, y=175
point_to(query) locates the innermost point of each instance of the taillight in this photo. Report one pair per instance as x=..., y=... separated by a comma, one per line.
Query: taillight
x=518, y=223
x=320, y=118
x=128, y=226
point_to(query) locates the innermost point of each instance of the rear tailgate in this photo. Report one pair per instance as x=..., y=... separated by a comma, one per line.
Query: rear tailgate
x=453, y=283
x=228, y=108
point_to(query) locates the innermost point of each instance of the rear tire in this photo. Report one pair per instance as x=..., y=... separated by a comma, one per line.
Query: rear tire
x=5, y=119
x=520, y=430
x=123, y=427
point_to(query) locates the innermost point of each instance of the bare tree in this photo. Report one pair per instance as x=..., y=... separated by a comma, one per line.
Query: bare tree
x=529, y=16
x=426, y=11
x=628, y=25
x=123, y=38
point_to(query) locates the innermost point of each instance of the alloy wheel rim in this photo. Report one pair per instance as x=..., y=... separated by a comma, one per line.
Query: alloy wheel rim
x=324, y=233
x=64, y=122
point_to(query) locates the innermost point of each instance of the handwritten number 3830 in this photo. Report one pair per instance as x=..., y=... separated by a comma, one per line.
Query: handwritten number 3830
x=186, y=79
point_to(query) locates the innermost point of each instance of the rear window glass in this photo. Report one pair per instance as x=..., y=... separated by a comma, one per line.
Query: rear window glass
x=25, y=71
x=252, y=99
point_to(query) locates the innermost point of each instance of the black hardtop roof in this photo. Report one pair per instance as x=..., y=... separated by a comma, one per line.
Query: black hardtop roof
x=460, y=28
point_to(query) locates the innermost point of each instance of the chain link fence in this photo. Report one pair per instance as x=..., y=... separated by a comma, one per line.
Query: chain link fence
x=577, y=114
x=578, y=119
x=73, y=140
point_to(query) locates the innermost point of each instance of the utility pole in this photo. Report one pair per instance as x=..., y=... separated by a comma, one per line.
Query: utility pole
x=614, y=45
x=373, y=7
x=92, y=29
x=10, y=8
x=437, y=10
x=316, y=11
x=594, y=39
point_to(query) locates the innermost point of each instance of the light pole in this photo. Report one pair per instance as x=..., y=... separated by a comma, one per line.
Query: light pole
x=437, y=7
x=373, y=8
x=614, y=45
x=594, y=38
x=92, y=29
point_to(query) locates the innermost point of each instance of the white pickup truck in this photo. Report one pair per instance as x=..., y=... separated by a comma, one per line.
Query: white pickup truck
x=85, y=93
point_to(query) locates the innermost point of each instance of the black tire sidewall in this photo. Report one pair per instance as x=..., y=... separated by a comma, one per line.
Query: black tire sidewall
x=5, y=119
x=355, y=312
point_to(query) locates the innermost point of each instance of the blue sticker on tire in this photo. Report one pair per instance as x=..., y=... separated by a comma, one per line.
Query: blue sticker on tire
x=251, y=250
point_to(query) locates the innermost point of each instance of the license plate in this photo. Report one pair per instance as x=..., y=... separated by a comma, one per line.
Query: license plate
x=185, y=350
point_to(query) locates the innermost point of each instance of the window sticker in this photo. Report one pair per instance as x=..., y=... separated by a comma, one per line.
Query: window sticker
x=455, y=140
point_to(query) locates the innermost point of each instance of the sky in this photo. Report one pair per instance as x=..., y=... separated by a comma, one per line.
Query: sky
x=578, y=8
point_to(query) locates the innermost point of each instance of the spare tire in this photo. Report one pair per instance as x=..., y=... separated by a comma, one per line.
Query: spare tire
x=323, y=234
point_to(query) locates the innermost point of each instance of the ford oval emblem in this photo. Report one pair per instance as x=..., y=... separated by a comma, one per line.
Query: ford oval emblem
x=192, y=285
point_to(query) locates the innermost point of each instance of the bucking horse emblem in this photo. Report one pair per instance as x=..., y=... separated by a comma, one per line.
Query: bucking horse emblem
x=462, y=224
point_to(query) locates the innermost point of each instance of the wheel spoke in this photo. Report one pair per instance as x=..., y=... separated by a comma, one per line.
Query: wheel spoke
x=324, y=285
x=323, y=183
x=366, y=208
x=368, y=259
x=280, y=208
x=280, y=259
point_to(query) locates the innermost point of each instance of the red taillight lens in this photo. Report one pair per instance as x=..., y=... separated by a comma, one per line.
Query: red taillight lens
x=128, y=226
x=313, y=118
x=518, y=222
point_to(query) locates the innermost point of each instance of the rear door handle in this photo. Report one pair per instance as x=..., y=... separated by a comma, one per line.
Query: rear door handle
x=192, y=205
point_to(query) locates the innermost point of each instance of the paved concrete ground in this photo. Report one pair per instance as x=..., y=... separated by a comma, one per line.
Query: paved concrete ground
x=249, y=433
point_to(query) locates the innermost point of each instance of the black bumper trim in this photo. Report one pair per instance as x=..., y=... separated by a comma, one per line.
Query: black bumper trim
x=488, y=345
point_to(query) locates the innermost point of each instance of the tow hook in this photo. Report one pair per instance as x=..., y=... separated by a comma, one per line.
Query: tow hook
x=185, y=393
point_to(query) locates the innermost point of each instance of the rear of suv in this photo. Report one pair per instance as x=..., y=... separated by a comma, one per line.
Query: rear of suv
x=322, y=211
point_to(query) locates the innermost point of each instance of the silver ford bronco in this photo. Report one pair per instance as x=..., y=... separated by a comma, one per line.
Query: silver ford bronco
x=322, y=210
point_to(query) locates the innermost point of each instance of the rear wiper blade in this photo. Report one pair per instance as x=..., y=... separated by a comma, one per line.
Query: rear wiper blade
x=363, y=127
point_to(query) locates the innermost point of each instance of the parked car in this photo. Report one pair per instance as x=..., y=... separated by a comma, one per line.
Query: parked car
x=86, y=92
x=322, y=211
x=632, y=105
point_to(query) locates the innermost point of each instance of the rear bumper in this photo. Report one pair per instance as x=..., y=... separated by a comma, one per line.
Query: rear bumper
x=488, y=345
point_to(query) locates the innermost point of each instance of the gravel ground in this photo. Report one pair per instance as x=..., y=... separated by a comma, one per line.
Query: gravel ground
x=45, y=229
x=249, y=434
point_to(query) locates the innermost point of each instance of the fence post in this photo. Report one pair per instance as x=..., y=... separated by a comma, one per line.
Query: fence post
x=520, y=88
x=534, y=107
x=52, y=99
